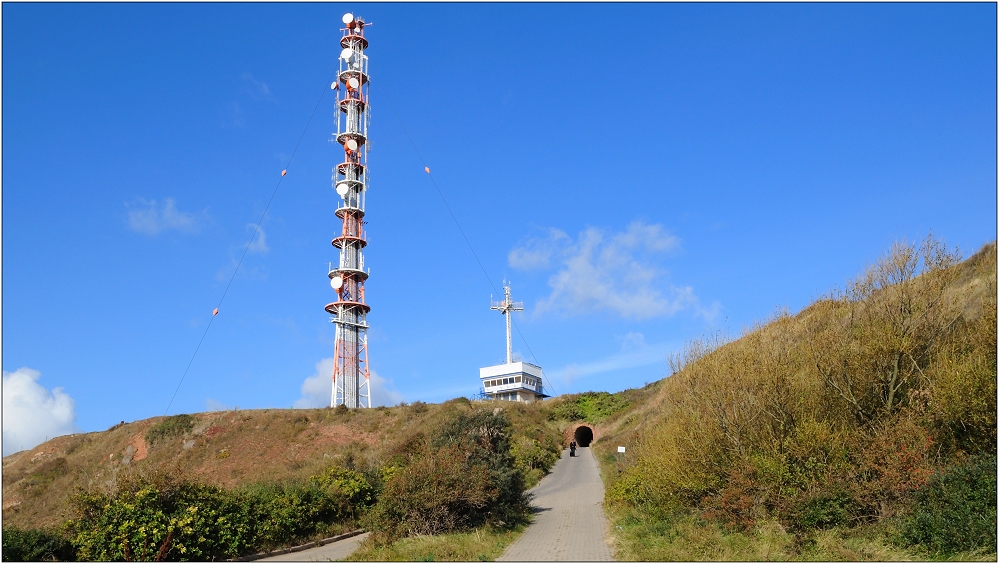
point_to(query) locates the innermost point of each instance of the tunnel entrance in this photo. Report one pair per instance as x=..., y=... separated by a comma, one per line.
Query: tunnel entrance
x=583, y=436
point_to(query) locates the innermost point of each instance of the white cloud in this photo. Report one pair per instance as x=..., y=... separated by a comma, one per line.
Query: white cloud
x=635, y=352
x=32, y=414
x=616, y=272
x=318, y=388
x=633, y=341
x=537, y=253
x=259, y=242
x=256, y=88
x=150, y=218
x=383, y=391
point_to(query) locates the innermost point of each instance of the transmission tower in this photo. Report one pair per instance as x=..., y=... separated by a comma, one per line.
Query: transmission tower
x=351, y=378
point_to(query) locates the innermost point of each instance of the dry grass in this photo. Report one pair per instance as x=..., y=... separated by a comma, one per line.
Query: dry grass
x=481, y=545
x=688, y=538
x=864, y=394
x=227, y=448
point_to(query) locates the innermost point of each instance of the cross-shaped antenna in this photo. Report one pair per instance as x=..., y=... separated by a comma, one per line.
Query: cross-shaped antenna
x=505, y=307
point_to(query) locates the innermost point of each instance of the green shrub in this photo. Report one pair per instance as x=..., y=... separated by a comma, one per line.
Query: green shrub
x=530, y=454
x=484, y=437
x=348, y=484
x=461, y=477
x=177, y=520
x=821, y=510
x=440, y=491
x=166, y=520
x=956, y=510
x=173, y=426
x=32, y=545
x=566, y=410
x=593, y=407
x=598, y=406
x=284, y=513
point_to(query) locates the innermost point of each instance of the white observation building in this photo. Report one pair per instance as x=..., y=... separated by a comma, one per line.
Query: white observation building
x=513, y=381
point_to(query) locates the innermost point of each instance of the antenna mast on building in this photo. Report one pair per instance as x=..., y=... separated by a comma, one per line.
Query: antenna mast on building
x=351, y=378
x=505, y=307
x=513, y=381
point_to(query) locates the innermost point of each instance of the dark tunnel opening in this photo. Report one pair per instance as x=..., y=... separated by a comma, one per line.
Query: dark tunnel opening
x=583, y=436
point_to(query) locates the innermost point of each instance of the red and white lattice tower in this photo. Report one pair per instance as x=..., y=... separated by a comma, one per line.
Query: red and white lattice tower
x=351, y=378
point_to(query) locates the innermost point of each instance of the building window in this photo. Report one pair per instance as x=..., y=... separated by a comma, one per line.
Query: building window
x=517, y=379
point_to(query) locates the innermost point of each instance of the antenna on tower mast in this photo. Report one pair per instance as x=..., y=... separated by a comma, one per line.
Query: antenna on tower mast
x=351, y=377
x=505, y=307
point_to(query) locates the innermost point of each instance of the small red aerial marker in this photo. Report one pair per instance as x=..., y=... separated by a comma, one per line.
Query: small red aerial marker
x=284, y=172
x=427, y=168
x=216, y=312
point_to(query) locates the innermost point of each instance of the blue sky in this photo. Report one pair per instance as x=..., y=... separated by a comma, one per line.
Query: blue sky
x=642, y=173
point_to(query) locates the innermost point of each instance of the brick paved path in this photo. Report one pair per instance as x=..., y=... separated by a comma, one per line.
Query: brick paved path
x=569, y=522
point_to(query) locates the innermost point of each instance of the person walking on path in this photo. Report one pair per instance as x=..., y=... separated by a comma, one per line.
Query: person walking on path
x=569, y=522
x=572, y=448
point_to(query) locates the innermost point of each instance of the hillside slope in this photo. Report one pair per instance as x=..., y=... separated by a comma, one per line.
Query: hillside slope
x=231, y=448
x=813, y=430
x=861, y=428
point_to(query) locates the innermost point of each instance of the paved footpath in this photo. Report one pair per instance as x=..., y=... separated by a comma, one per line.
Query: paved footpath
x=569, y=522
x=328, y=552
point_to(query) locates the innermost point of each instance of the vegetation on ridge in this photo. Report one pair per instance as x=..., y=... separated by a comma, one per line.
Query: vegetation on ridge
x=870, y=414
x=862, y=428
x=219, y=485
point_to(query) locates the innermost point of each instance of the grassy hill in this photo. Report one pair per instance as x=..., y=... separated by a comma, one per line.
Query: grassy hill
x=862, y=428
x=248, y=452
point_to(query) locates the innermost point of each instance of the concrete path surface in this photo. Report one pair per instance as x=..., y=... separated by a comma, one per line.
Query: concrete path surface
x=326, y=553
x=569, y=522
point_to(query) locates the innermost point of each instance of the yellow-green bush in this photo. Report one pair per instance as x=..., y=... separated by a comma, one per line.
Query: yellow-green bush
x=163, y=518
x=835, y=416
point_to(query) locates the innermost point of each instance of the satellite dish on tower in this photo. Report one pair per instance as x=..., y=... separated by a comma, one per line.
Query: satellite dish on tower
x=346, y=53
x=347, y=18
x=342, y=189
x=352, y=144
x=336, y=282
x=353, y=83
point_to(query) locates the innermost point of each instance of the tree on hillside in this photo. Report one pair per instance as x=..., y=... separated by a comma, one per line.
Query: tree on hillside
x=879, y=347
